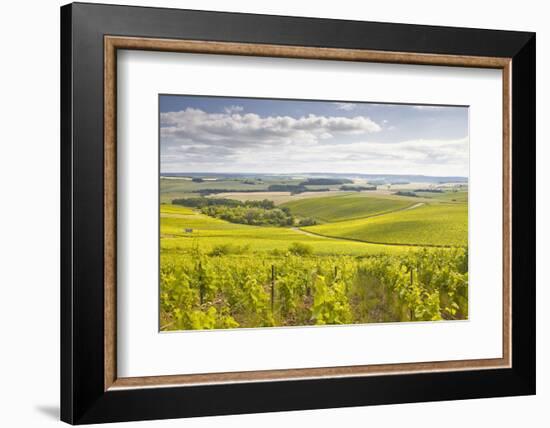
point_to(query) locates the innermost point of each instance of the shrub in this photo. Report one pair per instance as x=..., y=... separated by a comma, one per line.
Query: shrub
x=300, y=249
x=357, y=188
x=403, y=193
x=226, y=249
x=308, y=221
x=292, y=188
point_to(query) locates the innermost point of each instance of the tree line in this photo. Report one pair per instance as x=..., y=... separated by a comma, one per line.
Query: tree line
x=255, y=213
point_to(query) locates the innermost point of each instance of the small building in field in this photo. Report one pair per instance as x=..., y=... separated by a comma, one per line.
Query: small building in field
x=188, y=230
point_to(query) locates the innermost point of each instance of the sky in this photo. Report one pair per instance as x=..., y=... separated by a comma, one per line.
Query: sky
x=255, y=135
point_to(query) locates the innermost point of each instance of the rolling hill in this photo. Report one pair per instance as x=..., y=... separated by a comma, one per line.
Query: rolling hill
x=347, y=207
x=437, y=225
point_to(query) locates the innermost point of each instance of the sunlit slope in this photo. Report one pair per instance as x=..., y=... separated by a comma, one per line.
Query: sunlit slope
x=449, y=197
x=347, y=207
x=207, y=233
x=438, y=224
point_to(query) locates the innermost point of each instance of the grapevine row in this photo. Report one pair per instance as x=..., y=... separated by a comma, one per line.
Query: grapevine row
x=201, y=291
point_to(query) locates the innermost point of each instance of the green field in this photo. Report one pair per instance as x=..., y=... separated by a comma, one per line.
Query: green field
x=183, y=185
x=449, y=197
x=209, y=233
x=347, y=207
x=349, y=223
x=437, y=224
x=279, y=198
x=171, y=188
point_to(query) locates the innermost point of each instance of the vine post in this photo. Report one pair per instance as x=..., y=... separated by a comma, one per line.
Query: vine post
x=272, y=287
x=411, y=310
x=201, y=286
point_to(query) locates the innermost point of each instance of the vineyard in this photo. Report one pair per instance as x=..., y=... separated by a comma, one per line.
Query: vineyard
x=313, y=258
x=209, y=290
x=346, y=206
x=437, y=224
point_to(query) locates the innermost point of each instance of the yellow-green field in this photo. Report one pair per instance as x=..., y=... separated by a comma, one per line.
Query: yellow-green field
x=438, y=224
x=208, y=233
x=449, y=197
x=348, y=206
x=350, y=223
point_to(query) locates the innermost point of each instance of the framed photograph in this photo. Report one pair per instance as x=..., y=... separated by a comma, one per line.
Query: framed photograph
x=265, y=213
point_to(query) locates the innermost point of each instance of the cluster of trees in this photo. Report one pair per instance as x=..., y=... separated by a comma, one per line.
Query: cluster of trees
x=325, y=181
x=265, y=204
x=405, y=193
x=430, y=190
x=250, y=214
x=205, y=192
x=281, y=187
x=203, y=202
x=356, y=188
x=294, y=189
x=257, y=213
x=307, y=221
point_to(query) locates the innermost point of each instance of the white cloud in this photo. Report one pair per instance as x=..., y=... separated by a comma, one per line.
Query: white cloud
x=345, y=106
x=428, y=157
x=253, y=130
x=193, y=140
x=233, y=109
x=431, y=157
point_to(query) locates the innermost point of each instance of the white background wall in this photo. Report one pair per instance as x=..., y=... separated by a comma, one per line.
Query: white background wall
x=29, y=213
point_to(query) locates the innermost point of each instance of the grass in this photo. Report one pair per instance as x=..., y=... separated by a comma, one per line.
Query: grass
x=279, y=198
x=450, y=197
x=438, y=224
x=171, y=185
x=172, y=188
x=210, y=233
x=353, y=223
x=347, y=206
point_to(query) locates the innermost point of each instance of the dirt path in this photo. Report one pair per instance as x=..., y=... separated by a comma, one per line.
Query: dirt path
x=315, y=235
x=306, y=232
x=412, y=207
x=419, y=204
x=386, y=244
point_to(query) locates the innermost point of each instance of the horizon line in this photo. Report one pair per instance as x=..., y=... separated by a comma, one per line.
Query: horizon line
x=306, y=173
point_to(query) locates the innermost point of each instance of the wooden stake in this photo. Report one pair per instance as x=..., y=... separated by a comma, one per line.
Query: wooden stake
x=272, y=287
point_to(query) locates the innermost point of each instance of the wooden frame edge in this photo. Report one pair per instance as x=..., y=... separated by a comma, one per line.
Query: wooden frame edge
x=110, y=213
x=301, y=52
x=112, y=43
x=507, y=213
x=299, y=374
